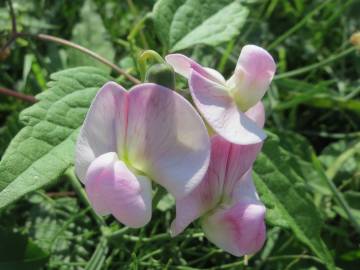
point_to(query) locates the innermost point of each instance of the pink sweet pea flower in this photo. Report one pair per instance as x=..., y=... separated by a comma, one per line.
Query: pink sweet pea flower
x=223, y=103
x=132, y=137
x=230, y=212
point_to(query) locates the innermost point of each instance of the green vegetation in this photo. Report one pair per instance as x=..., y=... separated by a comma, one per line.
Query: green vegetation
x=308, y=174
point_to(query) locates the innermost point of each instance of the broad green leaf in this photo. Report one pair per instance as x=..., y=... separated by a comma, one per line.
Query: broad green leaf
x=300, y=154
x=44, y=148
x=91, y=33
x=183, y=24
x=17, y=252
x=283, y=191
x=164, y=11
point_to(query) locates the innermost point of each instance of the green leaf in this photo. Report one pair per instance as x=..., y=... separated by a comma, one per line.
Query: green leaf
x=60, y=226
x=283, y=191
x=353, y=199
x=164, y=11
x=17, y=252
x=44, y=148
x=300, y=154
x=341, y=159
x=91, y=33
x=166, y=203
x=183, y=24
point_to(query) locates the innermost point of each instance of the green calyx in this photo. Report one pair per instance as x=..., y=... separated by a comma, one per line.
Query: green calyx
x=160, y=73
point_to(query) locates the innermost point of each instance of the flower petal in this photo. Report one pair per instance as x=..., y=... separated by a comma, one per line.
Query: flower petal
x=257, y=114
x=104, y=127
x=229, y=165
x=253, y=74
x=240, y=229
x=113, y=188
x=166, y=138
x=239, y=163
x=222, y=114
x=245, y=190
x=184, y=65
x=208, y=193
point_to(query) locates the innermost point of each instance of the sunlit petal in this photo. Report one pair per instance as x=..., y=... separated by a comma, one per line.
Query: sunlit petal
x=184, y=65
x=257, y=114
x=113, y=188
x=208, y=193
x=252, y=76
x=104, y=127
x=166, y=138
x=239, y=230
x=222, y=114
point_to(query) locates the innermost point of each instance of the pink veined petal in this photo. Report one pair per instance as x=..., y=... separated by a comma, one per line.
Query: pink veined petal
x=228, y=165
x=166, y=138
x=113, y=188
x=239, y=163
x=208, y=193
x=239, y=230
x=257, y=114
x=244, y=190
x=221, y=113
x=253, y=74
x=104, y=127
x=184, y=65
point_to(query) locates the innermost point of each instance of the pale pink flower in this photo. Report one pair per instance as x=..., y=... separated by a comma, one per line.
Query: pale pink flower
x=223, y=103
x=230, y=211
x=132, y=137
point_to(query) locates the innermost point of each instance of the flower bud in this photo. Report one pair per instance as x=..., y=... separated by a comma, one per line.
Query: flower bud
x=355, y=39
x=162, y=74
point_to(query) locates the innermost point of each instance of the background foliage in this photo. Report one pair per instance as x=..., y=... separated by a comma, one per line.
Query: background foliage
x=308, y=174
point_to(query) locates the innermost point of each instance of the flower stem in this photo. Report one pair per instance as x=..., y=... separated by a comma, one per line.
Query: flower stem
x=316, y=65
x=84, y=50
x=337, y=164
x=15, y=34
x=17, y=95
x=297, y=26
x=338, y=196
x=70, y=175
x=144, y=57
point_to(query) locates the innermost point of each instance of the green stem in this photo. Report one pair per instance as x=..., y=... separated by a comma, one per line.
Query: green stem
x=139, y=25
x=159, y=237
x=336, y=165
x=118, y=234
x=296, y=27
x=144, y=57
x=159, y=194
x=316, y=65
x=291, y=257
x=225, y=56
x=163, y=236
x=15, y=34
x=88, y=52
x=338, y=196
x=18, y=95
x=70, y=174
x=229, y=265
x=98, y=258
